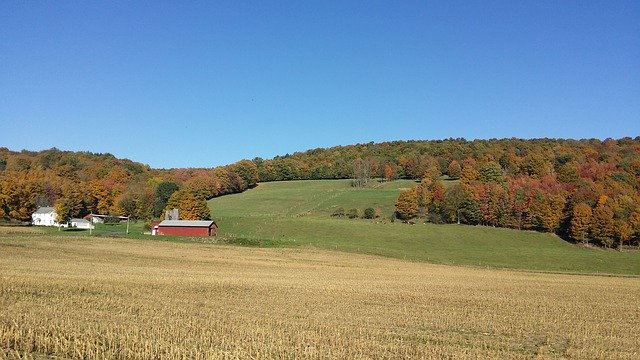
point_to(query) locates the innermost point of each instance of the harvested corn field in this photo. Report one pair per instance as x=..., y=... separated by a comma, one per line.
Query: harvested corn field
x=123, y=299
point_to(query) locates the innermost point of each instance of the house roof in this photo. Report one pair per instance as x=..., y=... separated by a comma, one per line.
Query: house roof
x=187, y=223
x=45, y=210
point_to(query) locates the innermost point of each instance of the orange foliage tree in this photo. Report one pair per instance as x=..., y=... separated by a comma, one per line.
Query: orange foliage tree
x=580, y=222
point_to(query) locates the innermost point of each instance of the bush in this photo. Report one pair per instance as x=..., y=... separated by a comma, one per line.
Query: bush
x=339, y=212
x=353, y=213
x=435, y=218
x=369, y=213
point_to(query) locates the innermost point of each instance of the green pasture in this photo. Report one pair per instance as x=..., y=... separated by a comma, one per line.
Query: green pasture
x=297, y=213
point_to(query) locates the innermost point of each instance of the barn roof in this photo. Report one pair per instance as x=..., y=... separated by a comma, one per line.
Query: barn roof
x=187, y=223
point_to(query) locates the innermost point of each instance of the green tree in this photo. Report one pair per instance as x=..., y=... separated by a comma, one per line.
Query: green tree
x=248, y=171
x=163, y=192
x=369, y=213
x=128, y=204
x=454, y=199
x=568, y=173
x=491, y=172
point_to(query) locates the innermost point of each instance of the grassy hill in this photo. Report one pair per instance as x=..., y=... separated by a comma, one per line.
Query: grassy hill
x=297, y=213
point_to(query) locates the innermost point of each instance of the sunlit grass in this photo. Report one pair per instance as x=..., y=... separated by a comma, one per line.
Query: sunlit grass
x=299, y=214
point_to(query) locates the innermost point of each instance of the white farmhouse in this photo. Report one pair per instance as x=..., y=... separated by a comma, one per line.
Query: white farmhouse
x=44, y=216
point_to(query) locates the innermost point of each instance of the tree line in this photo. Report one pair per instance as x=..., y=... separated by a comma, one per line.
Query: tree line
x=587, y=190
x=80, y=183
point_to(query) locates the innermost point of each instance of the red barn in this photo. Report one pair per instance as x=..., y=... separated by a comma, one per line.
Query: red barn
x=186, y=228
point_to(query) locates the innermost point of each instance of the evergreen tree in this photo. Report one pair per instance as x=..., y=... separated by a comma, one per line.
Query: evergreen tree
x=163, y=192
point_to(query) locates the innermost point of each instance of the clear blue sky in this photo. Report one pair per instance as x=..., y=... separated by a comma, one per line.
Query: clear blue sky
x=201, y=84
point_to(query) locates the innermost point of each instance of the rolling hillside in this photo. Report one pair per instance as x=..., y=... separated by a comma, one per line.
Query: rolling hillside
x=298, y=213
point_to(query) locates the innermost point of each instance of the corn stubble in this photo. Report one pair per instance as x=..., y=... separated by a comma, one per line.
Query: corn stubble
x=128, y=299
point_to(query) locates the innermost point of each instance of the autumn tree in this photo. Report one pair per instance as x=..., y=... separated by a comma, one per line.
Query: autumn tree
x=602, y=227
x=546, y=211
x=407, y=204
x=454, y=170
x=424, y=194
x=20, y=191
x=66, y=209
x=102, y=197
x=534, y=165
x=469, y=172
x=580, y=222
x=390, y=171
x=206, y=185
x=622, y=232
x=248, y=171
x=493, y=203
x=190, y=206
x=454, y=199
x=194, y=208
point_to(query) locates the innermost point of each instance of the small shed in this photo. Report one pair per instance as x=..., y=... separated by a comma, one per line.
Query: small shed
x=186, y=228
x=81, y=223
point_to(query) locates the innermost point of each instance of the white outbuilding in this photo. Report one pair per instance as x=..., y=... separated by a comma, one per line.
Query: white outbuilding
x=80, y=223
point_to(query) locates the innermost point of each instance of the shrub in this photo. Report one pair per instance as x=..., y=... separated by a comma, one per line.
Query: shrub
x=435, y=218
x=369, y=213
x=339, y=212
x=353, y=213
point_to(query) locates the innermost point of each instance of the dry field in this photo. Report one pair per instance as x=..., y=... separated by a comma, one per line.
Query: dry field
x=122, y=299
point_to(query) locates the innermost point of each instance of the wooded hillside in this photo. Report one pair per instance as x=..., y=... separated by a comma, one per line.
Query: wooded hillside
x=79, y=183
x=588, y=190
